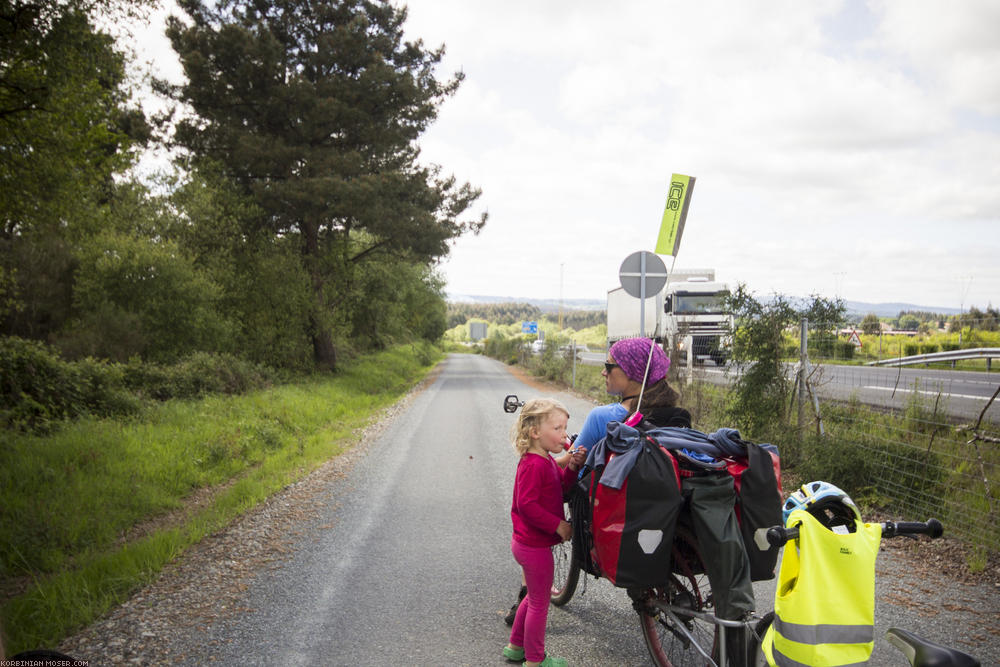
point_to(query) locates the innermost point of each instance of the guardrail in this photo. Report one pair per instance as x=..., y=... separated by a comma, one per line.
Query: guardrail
x=987, y=353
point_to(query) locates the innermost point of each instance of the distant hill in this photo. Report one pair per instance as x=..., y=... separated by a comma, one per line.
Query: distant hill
x=854, y=308
x=546, y=305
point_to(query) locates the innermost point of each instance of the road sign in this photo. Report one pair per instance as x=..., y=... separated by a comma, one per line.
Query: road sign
x=529, y=327
x=643, y=274
x=855, y=340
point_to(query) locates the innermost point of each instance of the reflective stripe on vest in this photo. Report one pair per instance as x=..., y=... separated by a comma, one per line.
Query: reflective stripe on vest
x=825, y=634
x=776, y=658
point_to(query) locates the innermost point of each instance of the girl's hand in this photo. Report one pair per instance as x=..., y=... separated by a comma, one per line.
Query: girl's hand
x=579, y=457
x=563, y=459
x=565, y=530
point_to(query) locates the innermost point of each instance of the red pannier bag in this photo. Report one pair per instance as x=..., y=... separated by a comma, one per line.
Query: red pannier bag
x=632, y=527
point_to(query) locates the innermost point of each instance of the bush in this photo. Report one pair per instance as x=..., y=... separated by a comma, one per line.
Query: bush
x=844, y=350
x=911, y=349
x=37, y=387
x=505, y=349
x=928, y=348
x=195, y=376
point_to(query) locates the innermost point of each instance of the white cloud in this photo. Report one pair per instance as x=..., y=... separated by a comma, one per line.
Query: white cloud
x=839, y=146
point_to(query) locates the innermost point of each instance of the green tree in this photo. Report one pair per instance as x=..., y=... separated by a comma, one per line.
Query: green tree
x=824, y=314
x=757, y=398
x=870, y=324
x=265, y=288
x=313, y=109
x=988, y=320
x=66, y=131
x=137, y=296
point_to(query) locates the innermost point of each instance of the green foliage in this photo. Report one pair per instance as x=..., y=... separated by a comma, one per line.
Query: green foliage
x=195, y=376
x=38, y=389
x=507, y=349
x=400, y=300
x=142, y=297
x=824, y=314
x=988, y=320
x=340, y=176
x=66, y=132
x=870, y=324
x=759, y=394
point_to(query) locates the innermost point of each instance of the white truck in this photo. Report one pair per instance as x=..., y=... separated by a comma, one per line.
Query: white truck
x=689, y=310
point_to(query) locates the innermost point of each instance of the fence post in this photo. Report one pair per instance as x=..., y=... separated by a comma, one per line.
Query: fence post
x=573, y=352
x=803, y=360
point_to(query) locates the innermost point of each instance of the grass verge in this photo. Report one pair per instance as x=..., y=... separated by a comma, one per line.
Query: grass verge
x=69, y=501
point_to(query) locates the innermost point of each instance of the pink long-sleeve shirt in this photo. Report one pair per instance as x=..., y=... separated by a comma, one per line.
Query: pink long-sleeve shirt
x=537, y=507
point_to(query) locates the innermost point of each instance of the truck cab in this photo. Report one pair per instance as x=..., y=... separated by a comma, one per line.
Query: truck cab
x=689, y=311
x=695, y=314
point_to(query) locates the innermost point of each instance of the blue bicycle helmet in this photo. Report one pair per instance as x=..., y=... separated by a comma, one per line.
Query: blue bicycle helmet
x=831, y=506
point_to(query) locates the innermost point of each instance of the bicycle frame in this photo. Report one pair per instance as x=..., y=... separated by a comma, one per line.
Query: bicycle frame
x=722, y=624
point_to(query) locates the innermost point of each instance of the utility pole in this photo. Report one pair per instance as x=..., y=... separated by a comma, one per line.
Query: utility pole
x=561, y=296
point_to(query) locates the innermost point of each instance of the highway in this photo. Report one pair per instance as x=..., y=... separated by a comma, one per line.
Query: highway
x=961, y=395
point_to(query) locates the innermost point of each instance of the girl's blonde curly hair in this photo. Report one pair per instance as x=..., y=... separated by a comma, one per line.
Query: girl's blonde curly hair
x=533, y=414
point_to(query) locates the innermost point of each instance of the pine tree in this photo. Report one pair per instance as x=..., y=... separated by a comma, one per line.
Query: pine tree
x=313, y=108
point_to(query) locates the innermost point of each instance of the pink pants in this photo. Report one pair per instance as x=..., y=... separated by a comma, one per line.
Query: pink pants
x=532, y=613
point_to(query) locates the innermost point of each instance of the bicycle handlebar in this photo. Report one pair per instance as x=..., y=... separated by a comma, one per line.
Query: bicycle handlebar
x=777, y=536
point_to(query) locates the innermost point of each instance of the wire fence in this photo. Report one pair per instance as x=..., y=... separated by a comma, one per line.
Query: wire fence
x=920, y=441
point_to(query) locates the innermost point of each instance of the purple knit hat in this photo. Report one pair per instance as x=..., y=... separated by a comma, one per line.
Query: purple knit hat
x=631, y=355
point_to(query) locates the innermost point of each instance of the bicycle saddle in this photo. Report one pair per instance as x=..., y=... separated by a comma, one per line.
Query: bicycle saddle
x=923, y=653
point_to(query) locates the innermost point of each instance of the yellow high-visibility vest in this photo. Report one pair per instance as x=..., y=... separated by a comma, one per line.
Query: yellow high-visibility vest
x=824, y=607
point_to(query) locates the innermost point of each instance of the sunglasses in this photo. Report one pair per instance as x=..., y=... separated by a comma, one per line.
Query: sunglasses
x=608, y=367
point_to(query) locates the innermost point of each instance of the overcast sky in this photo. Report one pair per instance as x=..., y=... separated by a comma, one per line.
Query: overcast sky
x=844, y=148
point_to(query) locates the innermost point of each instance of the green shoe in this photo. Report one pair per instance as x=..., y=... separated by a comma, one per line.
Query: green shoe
x=513, y=654
x=553, y=662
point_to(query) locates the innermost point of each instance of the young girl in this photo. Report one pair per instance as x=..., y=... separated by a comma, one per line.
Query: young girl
x=539, y=522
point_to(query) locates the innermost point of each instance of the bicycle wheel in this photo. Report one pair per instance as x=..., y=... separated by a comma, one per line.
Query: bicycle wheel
x=686, y=641
x=567, y=570
x=757, y=658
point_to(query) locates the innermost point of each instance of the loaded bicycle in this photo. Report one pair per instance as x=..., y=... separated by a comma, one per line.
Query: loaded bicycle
x=677, y=609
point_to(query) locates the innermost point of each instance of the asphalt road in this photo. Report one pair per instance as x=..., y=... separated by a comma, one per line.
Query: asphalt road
x=958, y=394
x=410, y=562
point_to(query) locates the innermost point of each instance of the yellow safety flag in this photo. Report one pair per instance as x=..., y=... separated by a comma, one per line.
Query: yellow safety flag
x=674, y=214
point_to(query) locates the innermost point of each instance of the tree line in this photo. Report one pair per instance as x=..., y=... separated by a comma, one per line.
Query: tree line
x=298, y=222
x=924, y=321
x=512, y=313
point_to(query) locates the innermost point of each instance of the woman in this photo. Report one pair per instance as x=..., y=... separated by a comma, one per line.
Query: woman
x=623, y=374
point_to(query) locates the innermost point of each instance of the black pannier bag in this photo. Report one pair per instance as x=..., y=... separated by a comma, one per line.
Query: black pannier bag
x=757, y=479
